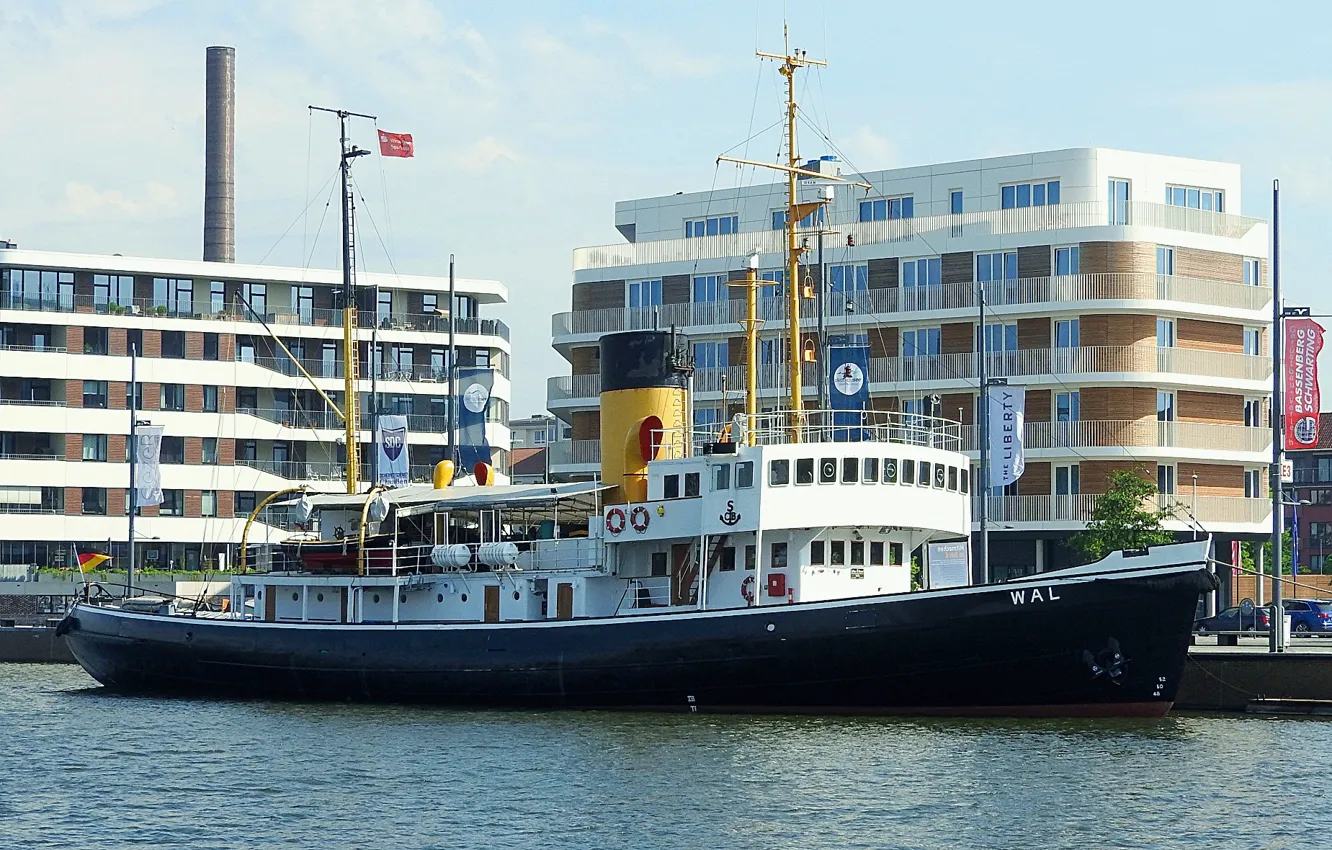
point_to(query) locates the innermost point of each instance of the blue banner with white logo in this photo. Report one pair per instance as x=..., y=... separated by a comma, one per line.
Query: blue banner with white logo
x=473, y=401
x=848, y=390
x=392, y=447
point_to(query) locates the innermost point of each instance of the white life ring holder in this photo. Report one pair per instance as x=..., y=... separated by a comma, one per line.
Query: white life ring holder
x=747, y=589
x=615, y=521
x=639, y=518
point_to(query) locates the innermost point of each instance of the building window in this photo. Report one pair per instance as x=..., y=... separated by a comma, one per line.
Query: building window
x=1118, y=201
x=95, y=341
x=173, y=397
x=208, y=503
x=217, y=297
x=998, y=266
x=1165, y=333
x=173, y=296
x=1253, y=413
x=709, y=288
x=1068, y=260
x=925, y=271
x=888, y=209
x=173, y=345
x=304, y=304
x=1195, y=198
x=173, y=503
x=645, y=293
x=718, y=225
x=1165, y=406
x=920, y=342
x=710, y=355
x=94, y=447
x=210, y=399
x=1253, y=482
x=209, y=450
x=112, y=290
x=94, y=501
x=172, y=450
x=1066, y=480
x=94, y=394
x=256, y=294
x=1165, y=478
x=245, y=502
x=1252, y=341
x=778, y=556
x=1068, y=333
x=849, y=277
x=134, y=396
x=1001, y=336
x=1018, y=195
x=384, y=309
x=1068, y=406
x=955, y=202
x=779, y=219
x=1165, y=260
x=1252, y=273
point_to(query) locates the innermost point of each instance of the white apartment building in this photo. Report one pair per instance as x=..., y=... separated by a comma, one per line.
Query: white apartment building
x=240, y=420
x=1123, y=290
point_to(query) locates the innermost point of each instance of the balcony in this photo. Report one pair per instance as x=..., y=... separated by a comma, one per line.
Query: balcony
x=1136, y=433
x=421, y=423
x=310, y=317
x=879, y=306
x=939, y=228
x=1077, y=510
x=568, y=388
x=574, y=453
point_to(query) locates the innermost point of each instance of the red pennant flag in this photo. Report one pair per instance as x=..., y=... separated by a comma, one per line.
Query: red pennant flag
x=1304, y=340
x=395, y=144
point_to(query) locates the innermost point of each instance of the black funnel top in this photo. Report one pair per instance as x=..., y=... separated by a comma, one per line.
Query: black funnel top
x=635, y=360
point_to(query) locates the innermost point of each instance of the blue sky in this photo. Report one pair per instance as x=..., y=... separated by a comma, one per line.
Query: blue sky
x=532, y=119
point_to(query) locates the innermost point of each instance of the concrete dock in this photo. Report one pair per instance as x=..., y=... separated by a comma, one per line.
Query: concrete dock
x=33, y=644
x=1247, y=676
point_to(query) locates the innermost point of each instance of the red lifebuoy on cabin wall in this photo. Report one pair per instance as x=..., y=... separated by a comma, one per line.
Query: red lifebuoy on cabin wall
x=615, y=521
x=747, y=589
x=639, y=518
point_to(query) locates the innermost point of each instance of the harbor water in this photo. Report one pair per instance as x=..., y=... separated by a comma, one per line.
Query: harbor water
x=81, y=768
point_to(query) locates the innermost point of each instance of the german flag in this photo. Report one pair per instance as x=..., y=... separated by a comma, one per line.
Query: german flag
x=90, y=561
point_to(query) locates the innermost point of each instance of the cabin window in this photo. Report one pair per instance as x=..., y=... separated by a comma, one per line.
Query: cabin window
x=805, y=470
x=870, y=473
x=850, y=470
x=691, y=485
x=721, y=476
x=828, y=471
x=727, y=563
x=924, y=479
x=816, y=554
x=964, y=480
x=857, y=553
x=890, y=470
x=837, y=553
x=908, y=472
x=779, y=473
x=952, y=478
x=778, y=556
x=670, y=487
x=939, y=476
x=744, y=474
x=659, y=565
x=876, y=553
x=895, y=554
x=750, y=552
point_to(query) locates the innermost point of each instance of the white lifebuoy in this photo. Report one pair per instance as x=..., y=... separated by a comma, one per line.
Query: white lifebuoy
x=639, y=518
x=747, y=589
x=615, y=521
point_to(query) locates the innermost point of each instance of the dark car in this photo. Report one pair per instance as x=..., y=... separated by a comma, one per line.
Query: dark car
x=1309, y=615
x=1235, y=619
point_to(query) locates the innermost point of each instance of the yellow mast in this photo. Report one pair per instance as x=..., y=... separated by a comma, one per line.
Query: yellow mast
x=751, y=283
x=795, y=212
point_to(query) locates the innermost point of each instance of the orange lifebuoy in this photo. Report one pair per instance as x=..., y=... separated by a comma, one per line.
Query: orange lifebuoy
x=747, y=589
x=615, y=521
x=639, y=518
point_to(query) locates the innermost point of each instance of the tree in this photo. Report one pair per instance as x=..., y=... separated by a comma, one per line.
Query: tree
x=1287, y=548
x=1120, y=519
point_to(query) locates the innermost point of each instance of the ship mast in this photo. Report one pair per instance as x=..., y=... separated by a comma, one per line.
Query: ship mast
x=795, y=212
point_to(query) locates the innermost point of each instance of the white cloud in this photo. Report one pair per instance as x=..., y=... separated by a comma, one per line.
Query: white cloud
x=484, y=152
x=870, y=151
x=82, y=200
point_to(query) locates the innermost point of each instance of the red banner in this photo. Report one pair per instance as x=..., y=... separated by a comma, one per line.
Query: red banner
x=1304, y=339
x=395, y=144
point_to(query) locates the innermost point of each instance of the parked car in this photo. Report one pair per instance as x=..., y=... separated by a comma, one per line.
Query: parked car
x=1309, y=615
x=1235, y=619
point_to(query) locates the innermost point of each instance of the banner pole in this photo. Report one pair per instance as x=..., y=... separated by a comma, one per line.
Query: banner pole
x=1276, y=636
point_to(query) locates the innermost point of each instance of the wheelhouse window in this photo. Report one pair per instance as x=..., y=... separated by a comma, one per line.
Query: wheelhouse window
x=869, y=473
x=876, y=553
x=691, y=489
x=890, y=470
x=744, y=475
x=850, y=470
x=778, y=559
x=816, y=553
x=727, y=561
x=779, y=473
x=670, y=487
x=924, y=479
x=857, y=553
x=721, y=476
x=908, y=471
x=804, y=470
x=828, y=471
x=837, y=553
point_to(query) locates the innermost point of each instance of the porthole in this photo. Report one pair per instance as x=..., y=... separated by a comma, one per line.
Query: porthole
x=403, y=599
x=320, y=597
x=464, y=597
x=295, y=596
x=439, y=597
x=517, y=595
x=375, y=599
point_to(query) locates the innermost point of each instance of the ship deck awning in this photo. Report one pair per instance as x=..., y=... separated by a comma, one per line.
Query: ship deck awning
x=422, y=498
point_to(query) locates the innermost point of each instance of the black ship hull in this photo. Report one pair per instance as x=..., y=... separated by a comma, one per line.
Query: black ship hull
x=1095, y=646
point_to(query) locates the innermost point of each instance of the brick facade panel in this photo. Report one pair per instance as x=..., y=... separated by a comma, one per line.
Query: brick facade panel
x=1117, y=403
x=74, y=339
x=1211, y=265
x=1038, y=406
x=116, y=342
x=115, y=448
x=194, y=345
x=1214, y=408
x=226, y=503
x=152, y=343
x=1035, y=480
x=115, y=502
x=116, y=392
x=1116, y=330
x=674, y=289
x=1102, y=257
x=883, y=274
x=586, y=360
x=1213, y=479
x=1034, y=333
x=226, y=399
x=587, y=425
x=73, y=501
x=1094, y=475
x=194, y=397
x=226, y=451
x=884, y=342
x=598, y=295
x=193, y=503
x=152, y=396
x=226, y=348
x=193, y=451
x=74, y=392
x=960, y=406
x=955, y=338
x=958, y=268
x=1209, y=336
x=73, y=448
x=1033, y=261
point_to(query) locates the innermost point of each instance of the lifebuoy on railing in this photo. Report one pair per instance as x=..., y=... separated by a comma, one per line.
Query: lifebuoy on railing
x=639, y=518
x=615, y=521
x=747, y=589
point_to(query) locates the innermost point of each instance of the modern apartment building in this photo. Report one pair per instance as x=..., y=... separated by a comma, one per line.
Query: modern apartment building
x=1309, y=516
x=240, y=420
x=1123, y=291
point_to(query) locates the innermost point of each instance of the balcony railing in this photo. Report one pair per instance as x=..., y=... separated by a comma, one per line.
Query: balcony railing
x=981, y=223
x=310, y=317
x=566, y=387
x=333, y=369
x=875, y=305
x=29, y=456
x=1135, y=433
x=33, y=402
x=567, y=452
x=421, y=423
x=9, y=346
x=1079, y=508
